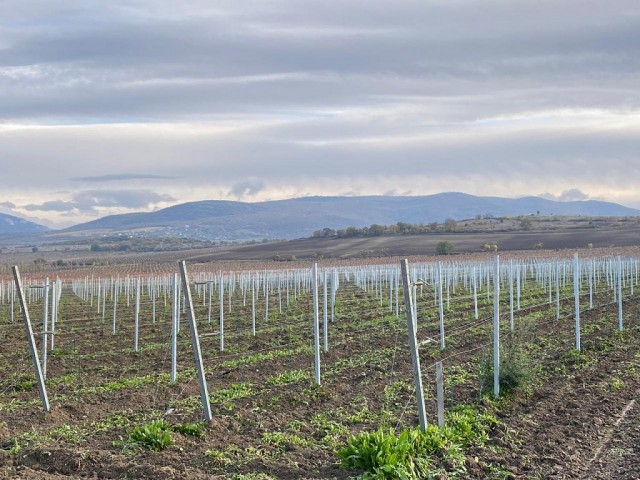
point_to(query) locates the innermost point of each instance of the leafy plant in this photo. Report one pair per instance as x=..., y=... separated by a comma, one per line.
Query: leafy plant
x=283, y=441
x=285, y=378
x=154, y=435
x=192, y=429
x=381, y=454
x=413, y=453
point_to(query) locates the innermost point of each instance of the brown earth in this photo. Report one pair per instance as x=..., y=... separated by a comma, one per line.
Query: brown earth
x=579, y=421
x=414, y=245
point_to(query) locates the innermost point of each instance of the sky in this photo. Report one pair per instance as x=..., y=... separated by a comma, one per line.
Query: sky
x=121, y=106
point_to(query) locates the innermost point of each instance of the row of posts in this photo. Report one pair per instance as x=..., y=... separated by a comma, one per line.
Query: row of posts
x=410, y=308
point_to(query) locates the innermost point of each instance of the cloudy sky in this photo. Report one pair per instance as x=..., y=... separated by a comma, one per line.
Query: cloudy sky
x=119, y=106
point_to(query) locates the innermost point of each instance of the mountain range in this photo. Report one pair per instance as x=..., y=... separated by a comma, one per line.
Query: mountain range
x=218, y=220
x=10, y=224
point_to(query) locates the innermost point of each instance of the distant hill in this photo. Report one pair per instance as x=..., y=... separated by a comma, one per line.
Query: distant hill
x=10, y=224
x=299, y=217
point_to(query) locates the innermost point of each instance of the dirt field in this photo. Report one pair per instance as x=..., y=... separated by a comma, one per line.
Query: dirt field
x=411, y=245
x=577, y=418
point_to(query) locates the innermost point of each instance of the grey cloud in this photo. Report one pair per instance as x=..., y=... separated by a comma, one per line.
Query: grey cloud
x=89, y=201
x=51, y=206
x=571, y=195
x=347, y=92
x=133, y=199
x=247, y=188
x=395, y=192
x=121, y=177
x=7, y=204
x=136, y=67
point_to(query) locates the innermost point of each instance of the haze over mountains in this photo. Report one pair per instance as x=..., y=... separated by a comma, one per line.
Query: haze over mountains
x=299, y=217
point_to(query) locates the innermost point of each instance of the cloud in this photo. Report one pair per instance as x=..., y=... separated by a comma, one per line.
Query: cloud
x=247, y=188
x=492, y=98
x=92, y=201
x=395, y=192
x=121, y=177
x=131, y=199
x=51, y=206
x=571, y=195
x=8, y=204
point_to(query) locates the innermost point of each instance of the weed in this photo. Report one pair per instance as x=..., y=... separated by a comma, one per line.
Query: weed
x=413, y=453
x=226, y=396
x=217, y=457
x=617, y=384
x=67, y=433
x=456, y=375
x=330, y=430
x=577, y=359
x=154, y=435
x=283, y=441
x=294, y=425
x=192, y=429
x=286, y=378
x=252, y=476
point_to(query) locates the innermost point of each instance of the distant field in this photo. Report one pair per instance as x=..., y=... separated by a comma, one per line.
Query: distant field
x=410, y=245
x=560, y=234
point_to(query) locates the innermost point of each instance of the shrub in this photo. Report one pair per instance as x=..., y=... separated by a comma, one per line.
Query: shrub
x=444, y=248
x=526, y=223
x=490, y=247
x=515, y=369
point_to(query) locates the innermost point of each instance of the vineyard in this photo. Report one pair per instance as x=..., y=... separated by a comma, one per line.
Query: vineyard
x=302, y=365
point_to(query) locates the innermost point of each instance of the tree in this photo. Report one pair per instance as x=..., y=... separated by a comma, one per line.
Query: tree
x=526, y=223
x=376, y=230
x=444, y=248
x=403, y=227
x=450, y=225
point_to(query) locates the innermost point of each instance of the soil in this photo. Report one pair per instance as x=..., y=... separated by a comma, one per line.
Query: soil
x=579, y=421
x=580, y=426
x=426, y=244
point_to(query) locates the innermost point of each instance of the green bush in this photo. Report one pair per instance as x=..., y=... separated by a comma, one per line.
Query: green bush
x=444, y=248
x=515, y=369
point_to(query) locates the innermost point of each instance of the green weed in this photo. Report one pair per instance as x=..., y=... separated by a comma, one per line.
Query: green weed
x=155, y=435
x=413, y=453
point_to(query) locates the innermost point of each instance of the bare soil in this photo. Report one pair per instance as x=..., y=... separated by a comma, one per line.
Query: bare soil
x=579, y=421
x=426, y=244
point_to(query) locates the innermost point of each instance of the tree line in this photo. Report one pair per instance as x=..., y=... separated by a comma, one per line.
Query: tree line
x=376, y=230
